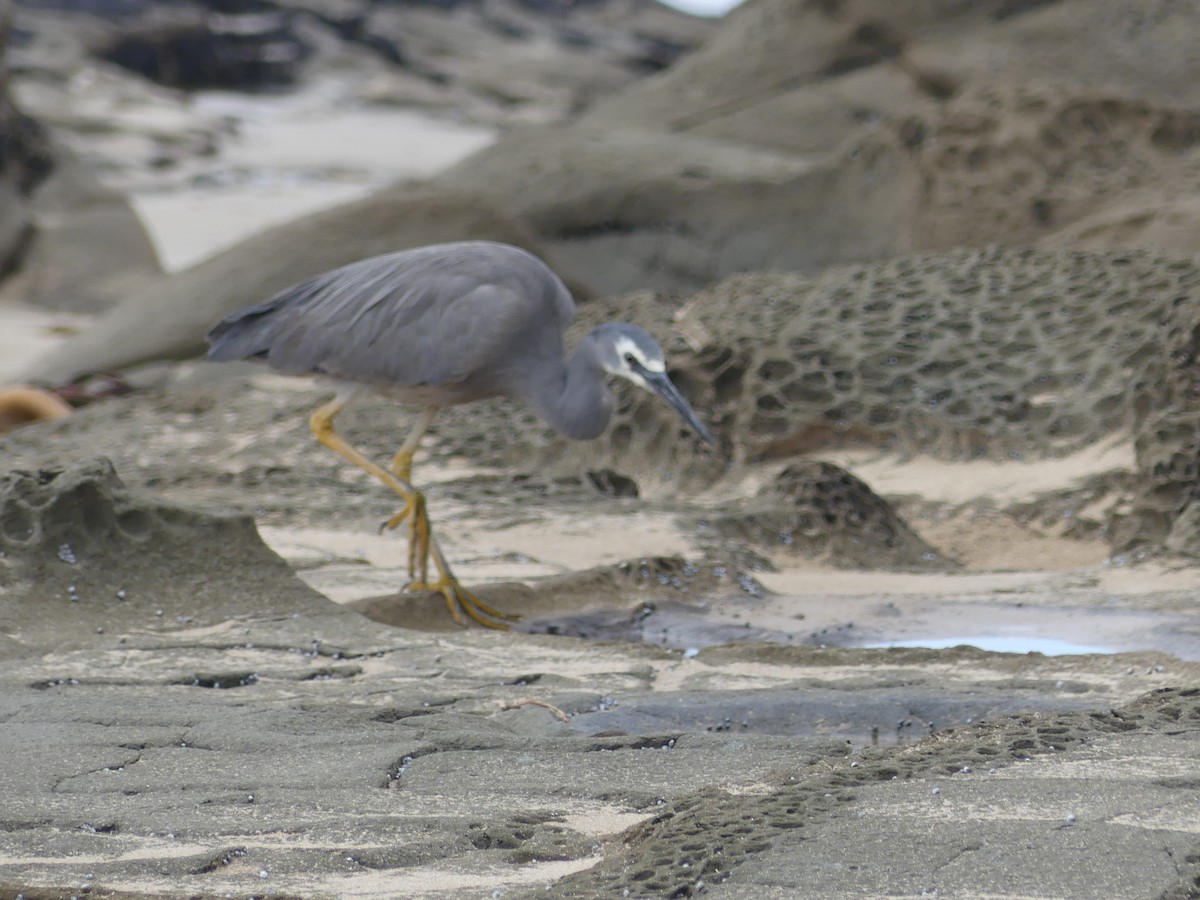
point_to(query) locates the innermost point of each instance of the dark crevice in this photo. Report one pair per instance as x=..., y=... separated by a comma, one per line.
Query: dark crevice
x=219, y=861
x=1013, y=8
x=606, y=228
x=225, y=680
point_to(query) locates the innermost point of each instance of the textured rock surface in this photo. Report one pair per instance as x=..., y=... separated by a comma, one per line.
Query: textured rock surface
x=890, y=127
x=248, y=756
x=1020, y=163
x=816, y=510
x=919, y=803
x=823, y=71
x=80, y=548
x=897, y=128
x=971, y=354
x=254, y=733
x=257, y=734
x=678, y=211
x=994, y=353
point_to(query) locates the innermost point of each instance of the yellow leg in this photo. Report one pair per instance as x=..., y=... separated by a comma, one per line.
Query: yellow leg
x=402, y=461
x=421, y=543
x=402, y=464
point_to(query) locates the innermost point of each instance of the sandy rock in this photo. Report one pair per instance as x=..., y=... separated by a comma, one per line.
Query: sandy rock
x=171, y=752
x=1171, y=224
x=169, y=320
x=913, y=801
x=1029, y=163
x=87, y=250
x=26, y=163
x=916, y=126
x=79, y=547
x=816, y=510
x=884, y=132
x=406, y=764
x=820, y=72
x=628, y=209
x=633, y=600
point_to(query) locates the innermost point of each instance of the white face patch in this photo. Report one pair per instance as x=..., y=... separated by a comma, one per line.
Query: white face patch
x=624, y=346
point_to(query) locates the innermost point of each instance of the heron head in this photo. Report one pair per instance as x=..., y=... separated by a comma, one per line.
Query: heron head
x=629, y=352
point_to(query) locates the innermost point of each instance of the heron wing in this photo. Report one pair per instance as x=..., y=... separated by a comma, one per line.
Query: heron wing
x=419, y=317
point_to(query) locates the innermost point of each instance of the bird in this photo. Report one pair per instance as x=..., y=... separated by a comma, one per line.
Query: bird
x=436, y=326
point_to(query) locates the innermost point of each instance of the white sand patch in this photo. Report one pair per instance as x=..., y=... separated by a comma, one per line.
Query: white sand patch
x=1001, y=483
x=292, y=156
x=27, y=332
x=347, y=566
x=604, y=821
x=443, y=880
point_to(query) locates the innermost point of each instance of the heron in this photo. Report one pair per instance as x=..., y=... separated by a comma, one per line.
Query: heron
x=437, y=326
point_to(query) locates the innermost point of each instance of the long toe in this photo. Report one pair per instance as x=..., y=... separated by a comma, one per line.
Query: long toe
x=458, y=598
x=481, y=612
x=464, y=604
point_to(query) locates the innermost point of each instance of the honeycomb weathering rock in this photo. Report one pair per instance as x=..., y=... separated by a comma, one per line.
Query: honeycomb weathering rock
x=1003, y=352
x=998, y=352
x=81, y=554
x=818, y=510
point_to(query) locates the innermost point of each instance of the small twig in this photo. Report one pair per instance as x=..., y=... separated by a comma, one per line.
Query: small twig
x=558, y=713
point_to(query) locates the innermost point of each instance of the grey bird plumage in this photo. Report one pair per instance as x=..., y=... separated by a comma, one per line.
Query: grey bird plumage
x=442, y=325
x=448, y=324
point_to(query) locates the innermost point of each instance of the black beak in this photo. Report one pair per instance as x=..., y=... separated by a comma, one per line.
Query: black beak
x=665, y=388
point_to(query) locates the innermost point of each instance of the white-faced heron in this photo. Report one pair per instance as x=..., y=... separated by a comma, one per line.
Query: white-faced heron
x=439, y=325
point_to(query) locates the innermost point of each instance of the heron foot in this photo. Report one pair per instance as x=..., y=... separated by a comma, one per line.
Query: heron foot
x=460, y=600
x=422, y=546
x=402, y=464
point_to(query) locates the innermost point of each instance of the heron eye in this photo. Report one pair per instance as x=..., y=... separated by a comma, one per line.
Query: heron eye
x=630, y=360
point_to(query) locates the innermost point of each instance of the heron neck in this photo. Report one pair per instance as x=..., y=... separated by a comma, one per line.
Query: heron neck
x=578, y=403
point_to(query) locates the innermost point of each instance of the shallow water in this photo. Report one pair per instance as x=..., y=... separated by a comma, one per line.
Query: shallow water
x=998, y=643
